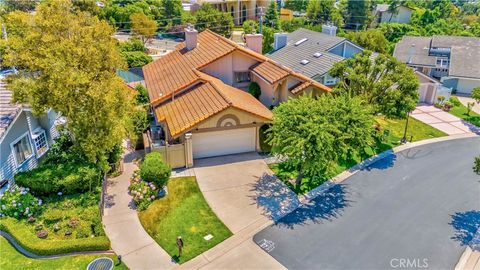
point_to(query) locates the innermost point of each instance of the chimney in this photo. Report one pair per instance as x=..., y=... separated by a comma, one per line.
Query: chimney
x=254, y=42
x=279, y=40
x=329, y=29
x=191, y=36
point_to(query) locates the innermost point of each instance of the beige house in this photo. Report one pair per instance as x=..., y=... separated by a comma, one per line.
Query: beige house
x=241, y=10
x=200, y=101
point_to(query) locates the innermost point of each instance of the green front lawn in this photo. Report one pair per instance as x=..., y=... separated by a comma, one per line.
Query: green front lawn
x=393, y=130
x=73, y=224
x=11, y=259
x=183, y=212
x=460, y=111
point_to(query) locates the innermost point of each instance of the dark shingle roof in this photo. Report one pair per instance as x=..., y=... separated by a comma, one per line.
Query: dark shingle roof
x=292, y=55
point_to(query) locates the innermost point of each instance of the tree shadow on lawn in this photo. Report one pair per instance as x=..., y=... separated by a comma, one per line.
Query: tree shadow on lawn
x=467, y=228
x=325, y=207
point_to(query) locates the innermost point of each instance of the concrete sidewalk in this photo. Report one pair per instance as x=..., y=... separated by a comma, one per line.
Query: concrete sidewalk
x=466, y=100
x=443, y=121
x=123, y=228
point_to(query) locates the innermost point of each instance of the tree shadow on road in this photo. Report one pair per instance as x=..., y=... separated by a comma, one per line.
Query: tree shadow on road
x=467, y=225
x=384, y=163
x=325, y=207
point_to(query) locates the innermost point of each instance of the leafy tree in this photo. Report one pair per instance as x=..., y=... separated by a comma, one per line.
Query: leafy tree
x=476, y=94
x=394, y=8
x=292, y=25
x=67, y=62
x=136, y=59
x=143, y=26
x=296, y=5
x=272, y=18
x=142, y=95
x=118, y=13
x=387, y=84
x=139, y=120
x=394, y=32
x=358, y=12
x=208, y=17
x=132, y=45
x=87, y=6
x=313, y=135
x=171, y=10
x=320, y=11
x=20, y=5
x=371, y=39
x=254, y=89
x=267, y=43
x=250, y=27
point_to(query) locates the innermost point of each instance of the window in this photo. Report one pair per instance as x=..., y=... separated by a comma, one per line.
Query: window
x=442, y=62
x=22, y=149
x=40, y=142
x=330, y=80
x=242, y=76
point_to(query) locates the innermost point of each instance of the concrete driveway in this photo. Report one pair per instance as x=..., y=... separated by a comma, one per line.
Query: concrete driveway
x=421, y=205
x=241, y=190
x=443, y=121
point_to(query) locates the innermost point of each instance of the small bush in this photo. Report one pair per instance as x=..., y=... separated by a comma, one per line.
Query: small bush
x=254, y=89
x=67, y=178
x=153, y=169
x=18, y=203
x=144, y=193
x=455, y=101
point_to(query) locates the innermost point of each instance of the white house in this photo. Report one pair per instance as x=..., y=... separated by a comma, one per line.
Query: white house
x=403, y=15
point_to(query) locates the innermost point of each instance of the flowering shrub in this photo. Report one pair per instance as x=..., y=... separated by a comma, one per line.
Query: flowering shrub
x=144, y=193
x=18, y=203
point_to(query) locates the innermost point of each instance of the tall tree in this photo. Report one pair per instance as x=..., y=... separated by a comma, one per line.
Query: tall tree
x=296, y=5
x=171, y=10
x=272, y=18
x=358, y=12
x=20, y=5
x=371, y=39
x=67, y=62
x=393, y=8
x=320, y=11
x=143, y=26
x=313, y=135
x=389, y=85
x=208, y=17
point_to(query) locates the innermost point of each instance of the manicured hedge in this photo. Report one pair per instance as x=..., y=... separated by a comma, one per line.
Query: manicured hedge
x=32, y=243
x=153, y=169
x=68, y=178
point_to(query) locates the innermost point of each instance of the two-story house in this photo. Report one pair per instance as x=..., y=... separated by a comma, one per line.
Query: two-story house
x=311, y=53
x=455, y=61
x=24, y=137
x=199, y=96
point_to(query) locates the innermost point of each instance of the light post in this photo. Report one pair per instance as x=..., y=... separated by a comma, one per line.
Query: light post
x=404, y=139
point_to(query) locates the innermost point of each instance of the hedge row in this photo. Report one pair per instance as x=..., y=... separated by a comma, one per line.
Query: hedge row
x=38, y=246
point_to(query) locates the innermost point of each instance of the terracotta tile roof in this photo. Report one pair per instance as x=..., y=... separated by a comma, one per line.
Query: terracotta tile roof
x=271, y=72
x=300, y=87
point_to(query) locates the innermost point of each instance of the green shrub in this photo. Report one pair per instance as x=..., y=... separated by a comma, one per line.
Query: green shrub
x=136, y=59
x=142, y=97
x=455, y=101
x=153, y=169
x=62, y=151
x=28, y=240
x=17, y=202
x=254, y=89
x=68, y=178
x=476, y=165
x=132, y=45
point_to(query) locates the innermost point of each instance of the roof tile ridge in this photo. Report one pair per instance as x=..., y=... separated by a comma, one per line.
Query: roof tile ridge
x=212, y=81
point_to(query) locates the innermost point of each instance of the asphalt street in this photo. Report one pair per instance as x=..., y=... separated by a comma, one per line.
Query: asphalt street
x=416, y=209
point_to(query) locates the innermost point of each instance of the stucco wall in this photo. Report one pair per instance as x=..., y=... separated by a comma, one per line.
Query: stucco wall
x=403, y=16
x=465, y=86
x=243, y=117
x=225, y=67
x=267, y=96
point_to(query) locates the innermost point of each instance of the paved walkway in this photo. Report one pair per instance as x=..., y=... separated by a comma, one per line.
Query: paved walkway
x=466, y=100
x=443, y=121
x=122, y=226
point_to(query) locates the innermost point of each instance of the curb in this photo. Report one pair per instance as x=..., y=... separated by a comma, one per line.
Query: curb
x=364, y=164
x=29, y=254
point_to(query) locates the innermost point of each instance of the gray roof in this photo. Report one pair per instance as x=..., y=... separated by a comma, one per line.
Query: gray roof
x=464, y=54
x=8, y=111
x=291, y=55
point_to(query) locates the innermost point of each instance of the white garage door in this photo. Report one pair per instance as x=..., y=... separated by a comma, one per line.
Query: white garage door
x=218, y=143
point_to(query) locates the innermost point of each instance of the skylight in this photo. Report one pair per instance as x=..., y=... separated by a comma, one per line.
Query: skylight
x=317, y=54
x=304, y=62
x=300, y=41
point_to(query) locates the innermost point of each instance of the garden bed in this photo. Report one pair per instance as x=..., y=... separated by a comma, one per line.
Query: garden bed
x=73, y=223
x=11, y=259
x=183, y=212
x=393, y=132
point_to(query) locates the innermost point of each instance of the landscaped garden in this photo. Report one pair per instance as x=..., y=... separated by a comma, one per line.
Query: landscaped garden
x=11, y=259
x=169, y=208
x=461, y=111
x=54, y=208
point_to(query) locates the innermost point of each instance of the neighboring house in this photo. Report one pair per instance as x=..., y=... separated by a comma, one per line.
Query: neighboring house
x=403, y=15
x=132, y=77
x=200, y=101
x=455, y=61
x=311, y=53
x=24, y=138
x=241, y=10
x=430, y=89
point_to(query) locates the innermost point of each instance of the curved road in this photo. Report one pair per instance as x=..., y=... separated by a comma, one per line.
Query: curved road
x=416, y=209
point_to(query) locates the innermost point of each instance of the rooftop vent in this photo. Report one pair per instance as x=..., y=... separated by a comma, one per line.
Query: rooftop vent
x=317, y=54
x=304, y=62
x=300, y=41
